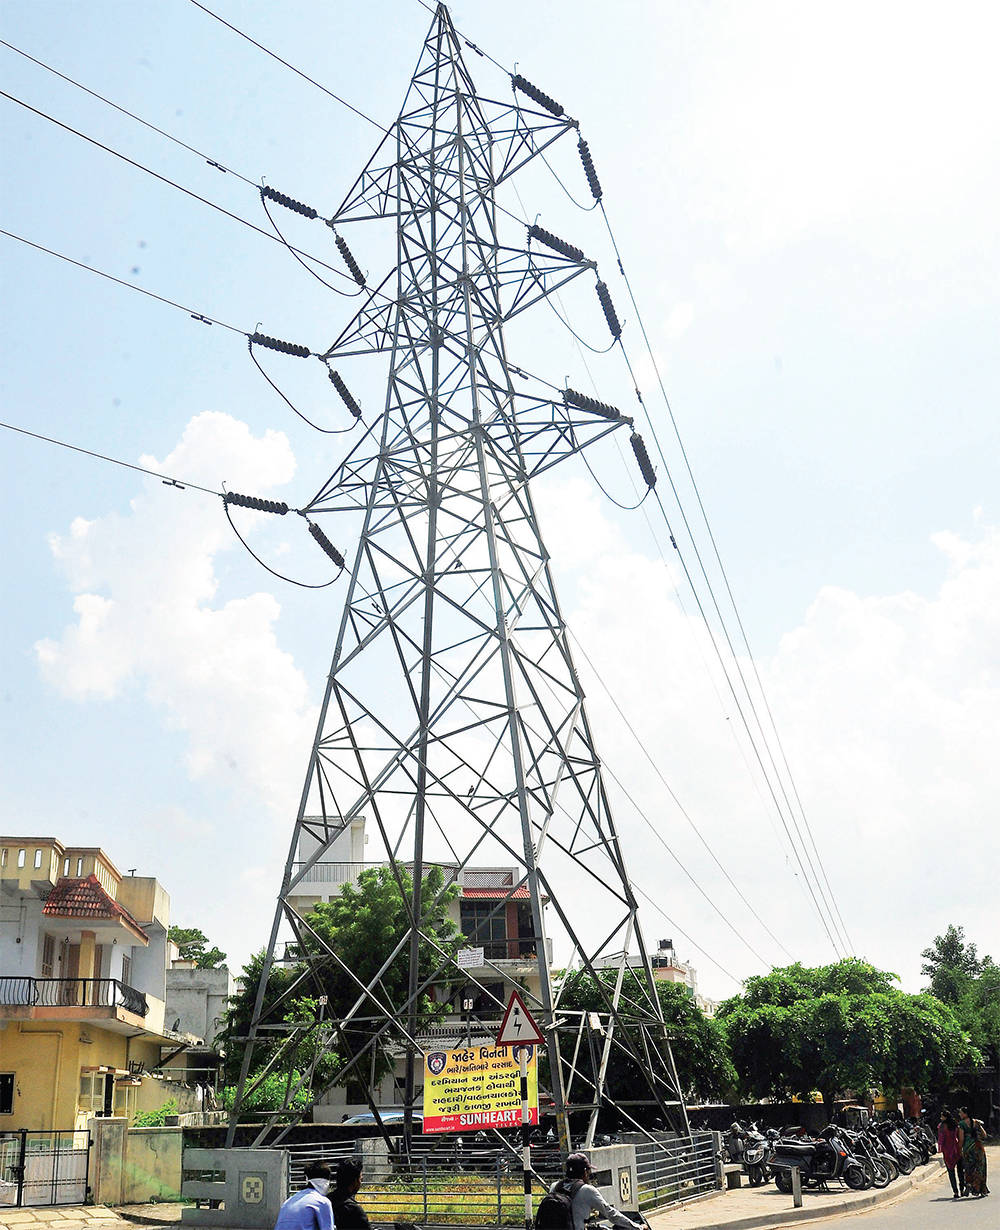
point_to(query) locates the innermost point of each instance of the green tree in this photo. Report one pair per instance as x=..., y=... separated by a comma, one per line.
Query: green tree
x=192, y=944
x=362, y=926
x=840, y=1026
x=700, y=1051
x=969, y=985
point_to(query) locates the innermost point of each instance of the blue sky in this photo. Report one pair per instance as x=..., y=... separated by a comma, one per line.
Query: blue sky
x=805, y=198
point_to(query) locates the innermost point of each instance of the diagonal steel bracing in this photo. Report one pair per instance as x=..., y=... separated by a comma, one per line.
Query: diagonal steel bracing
x=453, y=720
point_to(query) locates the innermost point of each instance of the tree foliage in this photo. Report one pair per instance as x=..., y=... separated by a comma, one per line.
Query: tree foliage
x=840, y=1026
x=700, y=1052
x=968, y=984
x=363, y=926
x=192, y=944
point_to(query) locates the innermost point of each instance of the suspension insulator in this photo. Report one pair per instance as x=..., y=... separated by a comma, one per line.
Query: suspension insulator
x=610, y=315
x=349, y=261
x=297, y=207
x=572, y=398
x=642, y=457
x=588, y=169
x=275, y=343
x=255, y=502
x=345, y=394
x=555, y=243
x=535, y=94
x=325, y=544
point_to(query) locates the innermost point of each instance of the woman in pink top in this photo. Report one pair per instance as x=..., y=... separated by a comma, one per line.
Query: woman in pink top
x=950, y=1151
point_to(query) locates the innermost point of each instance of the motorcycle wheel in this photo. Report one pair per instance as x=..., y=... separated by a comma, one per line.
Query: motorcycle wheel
x=882, y=1178
x=892, y=1166
x=855, y=1179
x=755, y=1176
x=783, y=1181
x=905, y=1163
x=869, y=1172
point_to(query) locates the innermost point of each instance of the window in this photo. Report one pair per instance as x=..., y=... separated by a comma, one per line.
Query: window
x=79, y=867
x=38, y=859
x=91, y=1099
x=127, y=971
x=20, y=858
x=48, y=955
x=3, y=857
x=6, y=1093
x=482, y=930
x=66, y=865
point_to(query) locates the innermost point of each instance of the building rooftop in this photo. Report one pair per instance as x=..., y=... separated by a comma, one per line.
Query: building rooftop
x=86, y=898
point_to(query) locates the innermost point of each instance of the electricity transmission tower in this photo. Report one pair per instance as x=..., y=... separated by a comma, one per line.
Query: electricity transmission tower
x=453, y=719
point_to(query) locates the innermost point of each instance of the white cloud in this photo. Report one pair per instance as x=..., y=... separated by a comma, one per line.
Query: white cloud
x=889, y=710
x=147, y=618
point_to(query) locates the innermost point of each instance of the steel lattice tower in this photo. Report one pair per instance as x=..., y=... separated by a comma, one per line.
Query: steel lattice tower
x=453, y=717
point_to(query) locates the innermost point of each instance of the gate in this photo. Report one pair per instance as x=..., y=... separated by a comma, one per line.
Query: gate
x=43, y=1168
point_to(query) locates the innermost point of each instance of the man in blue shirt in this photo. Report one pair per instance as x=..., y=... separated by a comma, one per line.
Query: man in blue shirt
x=309, y=1209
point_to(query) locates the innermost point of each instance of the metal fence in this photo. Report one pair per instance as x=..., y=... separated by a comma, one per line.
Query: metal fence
x=675, y=1168
x=43, y=1168
x=445, y=1185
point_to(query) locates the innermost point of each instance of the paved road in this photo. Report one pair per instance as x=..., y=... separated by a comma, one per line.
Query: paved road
x=931, y=1208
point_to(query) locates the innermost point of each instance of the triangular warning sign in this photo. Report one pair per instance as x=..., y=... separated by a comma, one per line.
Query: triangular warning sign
x=518, y=1025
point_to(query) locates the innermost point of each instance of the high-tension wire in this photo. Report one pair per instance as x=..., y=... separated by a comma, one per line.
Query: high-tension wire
x=721, y=566
x=297, y=71
x=168, y=481
x=669, y=789
x=206, y=320
x=171, y=183
x=219, y=166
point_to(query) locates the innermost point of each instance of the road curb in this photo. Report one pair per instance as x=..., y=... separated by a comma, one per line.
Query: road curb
x=901, y=1187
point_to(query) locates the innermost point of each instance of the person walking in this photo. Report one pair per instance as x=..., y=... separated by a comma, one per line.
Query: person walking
x=572, y=1199
x=347, y=1213
x=309, y=1208
x=972, y=1141
x=947, y=1139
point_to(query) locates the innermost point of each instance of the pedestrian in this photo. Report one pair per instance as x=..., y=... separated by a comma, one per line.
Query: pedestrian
x=972, y=1141
x=309, y=1208
x=347, y=1213
x=572, y=1199
x=947, y=1139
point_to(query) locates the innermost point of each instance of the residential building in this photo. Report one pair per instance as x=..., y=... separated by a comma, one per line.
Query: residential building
x=82, y=985
x=667, y=968
x=196, y=1004
x=492, y=911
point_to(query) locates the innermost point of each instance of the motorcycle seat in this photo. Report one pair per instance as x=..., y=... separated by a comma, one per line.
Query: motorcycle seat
x=791, y=1149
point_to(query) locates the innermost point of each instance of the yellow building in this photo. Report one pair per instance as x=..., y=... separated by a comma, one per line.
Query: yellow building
x=83, y=956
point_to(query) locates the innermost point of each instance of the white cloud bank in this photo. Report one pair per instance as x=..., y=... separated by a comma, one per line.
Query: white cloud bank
x=147, y=618
x=889, y=708
x=889, y=711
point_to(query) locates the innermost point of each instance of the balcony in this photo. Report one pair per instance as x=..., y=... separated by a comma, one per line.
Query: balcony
x=55, y=993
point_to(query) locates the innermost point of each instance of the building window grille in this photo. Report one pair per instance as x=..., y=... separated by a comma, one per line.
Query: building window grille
x=48, y=956
x=6, y=1093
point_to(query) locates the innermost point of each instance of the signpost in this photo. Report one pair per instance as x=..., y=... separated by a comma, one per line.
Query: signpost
x=518, y=1030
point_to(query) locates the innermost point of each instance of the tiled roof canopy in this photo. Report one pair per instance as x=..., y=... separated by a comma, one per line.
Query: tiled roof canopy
x=87, y=899
x=497, y=894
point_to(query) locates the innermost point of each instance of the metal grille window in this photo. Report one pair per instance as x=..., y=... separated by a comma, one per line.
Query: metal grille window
x=6, y=1093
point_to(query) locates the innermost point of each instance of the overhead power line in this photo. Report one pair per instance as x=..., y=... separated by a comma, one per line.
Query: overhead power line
x=298, y=71
x=180, y=484
x=200, y=316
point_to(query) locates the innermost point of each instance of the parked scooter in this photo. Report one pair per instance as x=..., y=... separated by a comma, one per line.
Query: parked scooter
x=749, y=1147
x=818, y=1160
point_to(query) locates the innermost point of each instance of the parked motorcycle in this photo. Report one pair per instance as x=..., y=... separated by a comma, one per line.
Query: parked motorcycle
x=819, y=1160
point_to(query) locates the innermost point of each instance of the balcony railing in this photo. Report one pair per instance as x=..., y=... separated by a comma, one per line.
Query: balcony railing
x=71, y=993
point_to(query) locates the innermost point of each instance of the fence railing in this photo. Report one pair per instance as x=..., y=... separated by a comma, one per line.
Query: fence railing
x=43, y=1167
x=447, y=1185
x=675, y=1168
x=71, y=992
